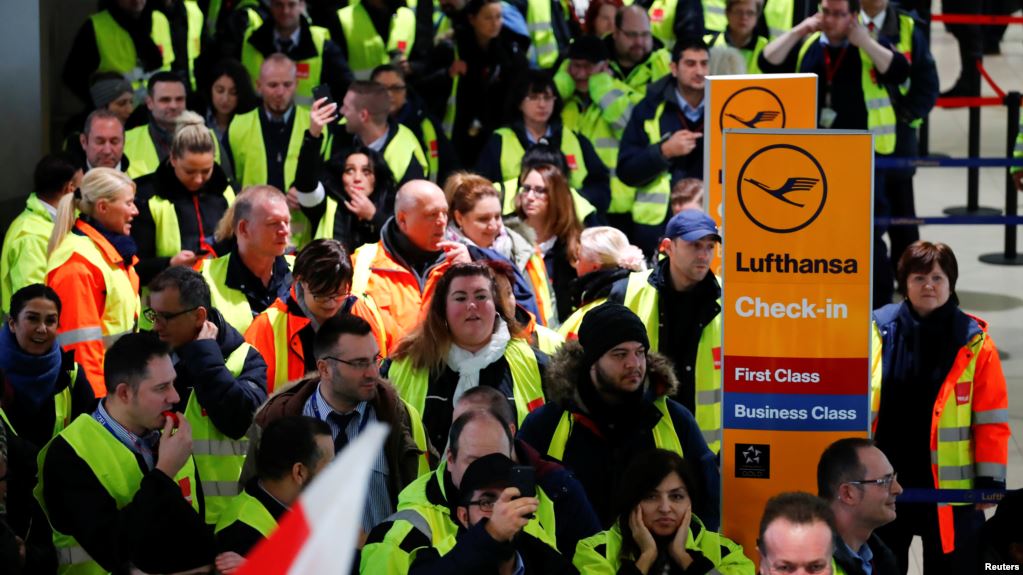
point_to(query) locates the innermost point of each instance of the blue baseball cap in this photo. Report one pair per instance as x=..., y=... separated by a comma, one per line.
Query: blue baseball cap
x=691, y=225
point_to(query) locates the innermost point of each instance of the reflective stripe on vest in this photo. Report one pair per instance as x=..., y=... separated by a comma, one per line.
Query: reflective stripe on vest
x=714, y=18
x=642, y=298
x=366, y=48
x=880, y=114
x=543, y=45
x=401, y=151
x=117, y=50
x=121, y=307
x=412, y=383
x=650, y=206
x=512, y=152
x=194, y=40
x=664, y=433
x=249, y=147
x=218, y=458
x=778, y=15
x=308, y=71
x=362, y=267
x=117, y=470
x=247, y=510
x=282, y=364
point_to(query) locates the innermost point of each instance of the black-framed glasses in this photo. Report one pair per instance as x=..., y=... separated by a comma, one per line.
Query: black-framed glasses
x=486, y=504
x=359, y=364
x=885, y=481
x=152, y=315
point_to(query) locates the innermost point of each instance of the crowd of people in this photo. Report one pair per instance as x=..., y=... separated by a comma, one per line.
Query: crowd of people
x=482, y=224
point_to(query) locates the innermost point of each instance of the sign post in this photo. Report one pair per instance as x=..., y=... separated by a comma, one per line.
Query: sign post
x=798, y=215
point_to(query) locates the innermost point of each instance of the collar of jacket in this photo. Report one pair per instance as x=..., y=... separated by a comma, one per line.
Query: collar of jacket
x=566, y=365
x=236, y=271
x=263, y=40
x=708, y=289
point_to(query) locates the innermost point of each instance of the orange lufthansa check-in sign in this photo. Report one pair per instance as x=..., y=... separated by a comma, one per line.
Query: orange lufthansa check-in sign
x=798, y=215
x=757, y=101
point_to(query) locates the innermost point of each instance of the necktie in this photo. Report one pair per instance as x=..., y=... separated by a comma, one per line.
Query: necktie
x=342, y=422
x=871, y=27
x=285, y=45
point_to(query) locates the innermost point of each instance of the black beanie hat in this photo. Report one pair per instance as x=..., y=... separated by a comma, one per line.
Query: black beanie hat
x=606, y=326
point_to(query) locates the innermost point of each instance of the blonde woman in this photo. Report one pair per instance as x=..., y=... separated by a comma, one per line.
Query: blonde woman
x=181, y=202
x=605, y=258
x=91, y=266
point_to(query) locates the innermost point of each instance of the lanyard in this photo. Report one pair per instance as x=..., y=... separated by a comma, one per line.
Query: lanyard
x=316, y=413
x=140, y=446
x=830, y=70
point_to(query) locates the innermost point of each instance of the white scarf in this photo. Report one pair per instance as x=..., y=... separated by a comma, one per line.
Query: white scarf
x=468, y=364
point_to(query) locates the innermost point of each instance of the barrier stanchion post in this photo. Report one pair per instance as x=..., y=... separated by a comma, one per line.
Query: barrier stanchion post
x=973, y=207
x=1010, y=256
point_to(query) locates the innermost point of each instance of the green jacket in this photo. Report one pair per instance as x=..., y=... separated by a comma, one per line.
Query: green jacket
x=23, y=257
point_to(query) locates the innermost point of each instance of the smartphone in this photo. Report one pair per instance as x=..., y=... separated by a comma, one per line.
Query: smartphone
x=524, y=478
x=322, y=91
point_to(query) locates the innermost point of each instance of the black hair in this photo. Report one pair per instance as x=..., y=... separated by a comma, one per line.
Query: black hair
x=687, y=43
x=473, y=7
x=324, y=266
x=534, y=82
x=540, y=154
x=53, y=172
x=164, y=76
x=384, y=183
x=458, y=426
x=127, y=361
x=642, y=475
x=332, y=330
x=287, y=441
x=386, y=68
x=233, y=69
x=839, y=463
x=193, y=290
x=30, y=292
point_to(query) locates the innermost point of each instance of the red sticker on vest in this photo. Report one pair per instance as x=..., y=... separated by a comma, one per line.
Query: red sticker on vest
x=402, y=45
x=963, y=392
x=185, y=484
x=433, y=149
x=160, y=48
x=658, y=15
x=302, y=70
x=572, y=164
x=716, y=352
x=538, y=402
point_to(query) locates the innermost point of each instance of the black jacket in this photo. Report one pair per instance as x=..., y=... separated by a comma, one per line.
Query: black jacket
x=229, y=401
x=24, y=517
x=240, y=537
x=439, y=406
x=158, y=531
x=35, y=423
x=259, y=296
x=412, y=115
x=682, y=317
x=343, y=141
x=596, y=187
x=197, y=214
x=884, y=560
x=561, y=272
x=601, y=446
x=596, y=284
x=476, y=552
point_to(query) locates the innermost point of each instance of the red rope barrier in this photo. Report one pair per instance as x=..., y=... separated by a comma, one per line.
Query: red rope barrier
x=969, y=102
x=982, y=19
x=990, y=81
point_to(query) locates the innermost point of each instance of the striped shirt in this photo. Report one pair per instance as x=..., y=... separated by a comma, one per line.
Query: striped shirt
x=378, y=497
x=144, y=446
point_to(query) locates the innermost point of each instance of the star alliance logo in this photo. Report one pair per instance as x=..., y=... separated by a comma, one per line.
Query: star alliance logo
x=753, y=460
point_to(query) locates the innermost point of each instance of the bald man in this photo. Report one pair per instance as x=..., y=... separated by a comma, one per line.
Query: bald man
x=400, y=271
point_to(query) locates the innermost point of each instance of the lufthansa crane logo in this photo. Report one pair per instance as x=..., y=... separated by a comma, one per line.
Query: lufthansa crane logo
x=752, y=107
x=782, y=188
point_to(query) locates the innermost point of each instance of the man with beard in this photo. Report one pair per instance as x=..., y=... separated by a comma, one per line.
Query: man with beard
x=608, y=399
x=860, y=485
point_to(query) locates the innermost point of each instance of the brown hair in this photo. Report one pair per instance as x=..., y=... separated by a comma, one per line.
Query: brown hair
x=427, y=345
x=920, y=257
x=685, y=190
x=593, y=10
x=798, y=508
x=464, y=189
x=191, y=136
x=372, y=97
x=562, y=220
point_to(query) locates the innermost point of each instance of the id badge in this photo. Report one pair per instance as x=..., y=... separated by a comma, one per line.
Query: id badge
x=827, y=118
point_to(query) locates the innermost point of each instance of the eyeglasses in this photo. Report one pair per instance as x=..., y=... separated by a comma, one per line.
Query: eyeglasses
x=329, y=298
x=152, y=315
x=359, y=364
x=486, y=504
x=885, y=481
x=535, y=190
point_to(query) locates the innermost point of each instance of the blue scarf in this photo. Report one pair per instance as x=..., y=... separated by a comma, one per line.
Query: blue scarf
x=124, y=244
x=32, y=376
